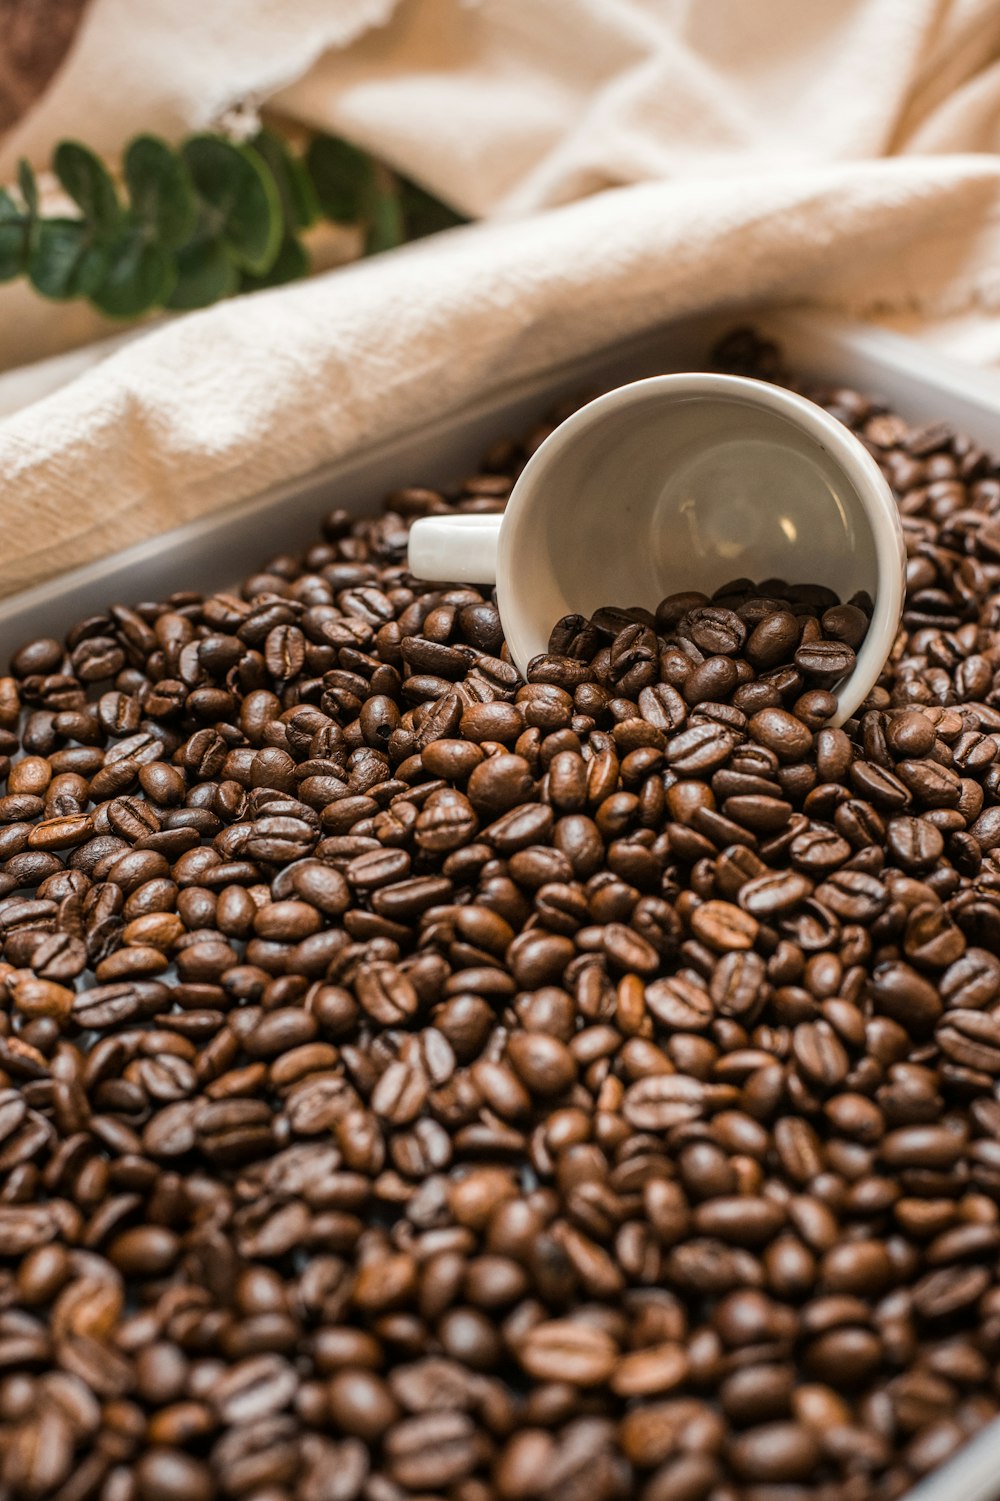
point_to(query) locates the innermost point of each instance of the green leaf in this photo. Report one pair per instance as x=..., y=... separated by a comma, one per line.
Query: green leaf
x=64, y=261
x=384, y=215
x=298, y=196
x=28, y=186
x=205, y=274
x=291, y=265
x=423, y=214
x=244, y=208
x=88, y=182
x=343, y=178
x=13, y=238
x=161, y=191
x=204, y=222
x=140, y=276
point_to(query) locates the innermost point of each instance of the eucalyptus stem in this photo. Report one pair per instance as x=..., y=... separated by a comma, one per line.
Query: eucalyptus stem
x=194, y=223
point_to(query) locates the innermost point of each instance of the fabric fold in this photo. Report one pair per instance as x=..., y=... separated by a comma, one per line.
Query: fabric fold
x=206, y=410
x=631, y=160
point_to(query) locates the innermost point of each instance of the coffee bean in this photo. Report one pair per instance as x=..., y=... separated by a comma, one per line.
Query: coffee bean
x=737, y=984
x=144, y=1252
x=699, y=749
x=163, y=1474
x=773, y=639
x=643, y=1373
x=776, y=1453
x=921, y=1146
x=24, y=1228
x=714, y=629
x=825, y=662
x=711, y=681
x=568, y=1350
x=544, y=1064
x=759, y=814
x=679, y=1004
x=820, y=1054
x=385, y=993
x=858, y=1267
x=947, y=1293
x=782, y=733
x=500, y=783
x=447, y=821
x=775, y=894
x=906, y=996
x=419, y=1080
x=971, y=981
x=724, y=927
x=361, y=1404
x=39, y=997
x=433, y=1451
x=970, y=1038
x=845, y=623
x=663, y=707
x=662, y=1101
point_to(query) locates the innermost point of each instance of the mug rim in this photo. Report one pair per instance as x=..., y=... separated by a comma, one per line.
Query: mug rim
x=848, y=452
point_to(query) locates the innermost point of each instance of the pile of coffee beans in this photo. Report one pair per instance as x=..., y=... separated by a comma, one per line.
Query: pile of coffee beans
x=754, y=646
x=415, y=1082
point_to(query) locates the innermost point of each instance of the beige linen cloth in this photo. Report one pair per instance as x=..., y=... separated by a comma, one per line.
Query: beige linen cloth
x=631, y=159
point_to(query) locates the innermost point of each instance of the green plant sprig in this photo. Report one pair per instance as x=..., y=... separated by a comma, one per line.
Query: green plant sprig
x=202, y=221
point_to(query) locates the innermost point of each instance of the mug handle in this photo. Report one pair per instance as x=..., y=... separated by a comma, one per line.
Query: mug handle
x=453, y=549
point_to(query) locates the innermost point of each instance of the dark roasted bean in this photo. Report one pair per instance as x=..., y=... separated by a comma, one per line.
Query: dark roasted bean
x=568, y=1350
x=418, y=1081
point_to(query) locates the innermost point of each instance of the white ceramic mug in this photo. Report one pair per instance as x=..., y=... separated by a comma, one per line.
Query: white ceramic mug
x=682, y=482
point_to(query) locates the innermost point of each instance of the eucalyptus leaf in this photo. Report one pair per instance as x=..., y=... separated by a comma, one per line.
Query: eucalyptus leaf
x=205, y=274
x=384, y=218
x=13, y=238
x=64, y=260
x=292, y=264
x=161, y=192
x=298, y=196
x=342, y=176
x=139, y=276
x=88, y=182
x=242, y=202
x=28, y=186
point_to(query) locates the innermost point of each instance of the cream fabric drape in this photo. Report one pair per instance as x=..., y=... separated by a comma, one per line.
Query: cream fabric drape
x=630, y=159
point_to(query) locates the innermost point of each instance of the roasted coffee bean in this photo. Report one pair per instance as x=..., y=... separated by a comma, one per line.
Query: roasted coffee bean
x=568, y=1350
x=825, y=662
x=419, y=1081
x=713, y=629
x=776, y=1453
x=724, y=927
x=773, y=639
x=663, y=1100
x=782, y=733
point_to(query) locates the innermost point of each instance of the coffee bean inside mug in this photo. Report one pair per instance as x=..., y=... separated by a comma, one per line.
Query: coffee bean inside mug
x=754, y=646
x=422, y=1082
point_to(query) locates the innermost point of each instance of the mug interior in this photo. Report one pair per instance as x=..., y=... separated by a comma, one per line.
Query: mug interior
x=688, y=482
